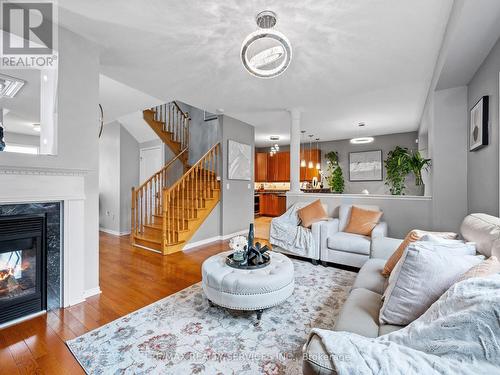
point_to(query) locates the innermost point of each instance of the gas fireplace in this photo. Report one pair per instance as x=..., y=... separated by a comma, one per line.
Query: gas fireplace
x=23, y=266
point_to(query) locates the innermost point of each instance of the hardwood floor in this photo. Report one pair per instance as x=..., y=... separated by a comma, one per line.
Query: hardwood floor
x=129, y=279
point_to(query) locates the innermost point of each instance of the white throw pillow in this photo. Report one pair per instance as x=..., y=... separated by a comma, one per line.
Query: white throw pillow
x=425, y=271
x=429, y=237
x=440, y=245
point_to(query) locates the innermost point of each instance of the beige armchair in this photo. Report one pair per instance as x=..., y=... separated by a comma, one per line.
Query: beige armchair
x=337, y=246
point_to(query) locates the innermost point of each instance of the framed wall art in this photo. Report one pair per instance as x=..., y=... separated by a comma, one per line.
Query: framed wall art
x=365, y=166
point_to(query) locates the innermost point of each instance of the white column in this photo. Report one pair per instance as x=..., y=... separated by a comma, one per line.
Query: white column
x=295, y=151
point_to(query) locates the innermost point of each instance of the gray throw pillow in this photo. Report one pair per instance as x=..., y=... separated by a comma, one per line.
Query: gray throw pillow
x=424, y=272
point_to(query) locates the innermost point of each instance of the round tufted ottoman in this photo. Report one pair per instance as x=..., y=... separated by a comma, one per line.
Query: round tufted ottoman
x=247, y=289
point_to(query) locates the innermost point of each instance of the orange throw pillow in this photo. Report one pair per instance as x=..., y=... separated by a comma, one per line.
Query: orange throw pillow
x=413, y=236
x=312, y=213
x=362, y=221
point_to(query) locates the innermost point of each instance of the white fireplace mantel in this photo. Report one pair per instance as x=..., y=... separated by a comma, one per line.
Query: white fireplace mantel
x=28, y=185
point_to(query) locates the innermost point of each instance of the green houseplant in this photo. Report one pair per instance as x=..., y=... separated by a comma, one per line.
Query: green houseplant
x=417, y=165
x=397, y=167
x=399, y=163
x=336, y=176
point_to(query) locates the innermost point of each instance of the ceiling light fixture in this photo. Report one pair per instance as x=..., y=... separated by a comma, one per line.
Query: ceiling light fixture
x=361, y=140
x=266, y=53
x=10, y=86
x=274, y=148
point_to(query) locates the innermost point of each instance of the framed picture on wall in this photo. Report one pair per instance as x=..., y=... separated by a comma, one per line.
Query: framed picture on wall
x=478, y=128
x=365, y=166
x=239, y=161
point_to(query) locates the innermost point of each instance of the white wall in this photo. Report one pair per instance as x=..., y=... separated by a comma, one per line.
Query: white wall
x=78, y=128
x=22, y=139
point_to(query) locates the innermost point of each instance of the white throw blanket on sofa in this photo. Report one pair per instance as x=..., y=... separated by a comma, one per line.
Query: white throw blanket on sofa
x=287, y=233
x=459, y=334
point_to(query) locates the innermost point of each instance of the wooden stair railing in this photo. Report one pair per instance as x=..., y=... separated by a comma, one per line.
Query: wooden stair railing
x=165, y=218
x=146, y=199
x=198, y=189
x=171, y=124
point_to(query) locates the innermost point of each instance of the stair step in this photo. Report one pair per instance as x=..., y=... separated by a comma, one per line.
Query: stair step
x=159, y=227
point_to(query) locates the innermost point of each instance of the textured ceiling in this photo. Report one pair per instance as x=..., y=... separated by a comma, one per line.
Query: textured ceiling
x=353, y=60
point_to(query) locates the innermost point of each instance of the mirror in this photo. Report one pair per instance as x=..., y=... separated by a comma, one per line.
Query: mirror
x=28, y=114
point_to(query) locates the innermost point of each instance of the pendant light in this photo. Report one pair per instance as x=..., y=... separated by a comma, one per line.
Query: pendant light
x=310, y=165
x=318, y=164
x=361, y=140
x=303, y=160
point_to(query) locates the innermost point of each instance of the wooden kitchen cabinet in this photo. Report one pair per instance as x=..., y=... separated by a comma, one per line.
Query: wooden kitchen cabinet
x=272, y=168
x=283, y=166
x=276, y=168
x=261, y=166
x=272, y=204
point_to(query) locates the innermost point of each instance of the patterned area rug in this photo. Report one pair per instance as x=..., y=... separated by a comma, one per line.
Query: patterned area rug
x=182, y=334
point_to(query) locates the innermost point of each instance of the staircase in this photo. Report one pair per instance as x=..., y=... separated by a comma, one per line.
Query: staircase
x=171, y=124
x=165, y=216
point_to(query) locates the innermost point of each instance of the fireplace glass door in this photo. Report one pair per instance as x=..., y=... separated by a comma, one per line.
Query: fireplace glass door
x=18, y=270
x=22, y=266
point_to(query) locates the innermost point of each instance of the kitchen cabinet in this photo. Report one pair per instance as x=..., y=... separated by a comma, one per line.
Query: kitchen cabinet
x=261, y=166
x=283, y=166
x=276, y=168
x=272, y=168
x=272, y=204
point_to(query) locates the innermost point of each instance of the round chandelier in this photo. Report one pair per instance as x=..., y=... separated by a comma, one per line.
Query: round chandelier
x=266, y=53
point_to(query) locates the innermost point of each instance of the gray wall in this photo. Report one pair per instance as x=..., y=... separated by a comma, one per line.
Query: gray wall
x=449, y=154
x=203, y=134
x=118, y=172
x=235, y=211
x=109, y=177
x=482, y=165
x=22, y=139
x=129, y=176
x=385, y=143
x=237, y=196
x=78, y=127
x=402, y=214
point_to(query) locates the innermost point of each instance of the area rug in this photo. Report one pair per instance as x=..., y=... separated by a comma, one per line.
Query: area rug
x=182, y=334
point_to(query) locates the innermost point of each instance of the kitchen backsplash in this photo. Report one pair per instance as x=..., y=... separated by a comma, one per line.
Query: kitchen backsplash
x=273, y=185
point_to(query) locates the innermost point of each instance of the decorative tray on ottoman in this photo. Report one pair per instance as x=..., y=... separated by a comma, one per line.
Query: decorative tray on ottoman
x=235, y=264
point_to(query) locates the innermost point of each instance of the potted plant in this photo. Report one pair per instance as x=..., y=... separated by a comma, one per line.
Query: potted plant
x=336, y=178
x=397, y=167
x=417, y=164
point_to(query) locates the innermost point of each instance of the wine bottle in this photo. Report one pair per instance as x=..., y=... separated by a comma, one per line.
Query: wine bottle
x=250, y=237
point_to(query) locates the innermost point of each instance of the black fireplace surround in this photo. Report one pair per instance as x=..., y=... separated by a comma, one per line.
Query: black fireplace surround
x=23, y=265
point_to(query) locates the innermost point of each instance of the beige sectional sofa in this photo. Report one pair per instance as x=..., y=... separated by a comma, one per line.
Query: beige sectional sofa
x=360, y=313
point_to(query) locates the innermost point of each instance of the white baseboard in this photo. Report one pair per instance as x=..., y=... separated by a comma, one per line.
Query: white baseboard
x=91, y=292
x=114, y=232
x=213, y=239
